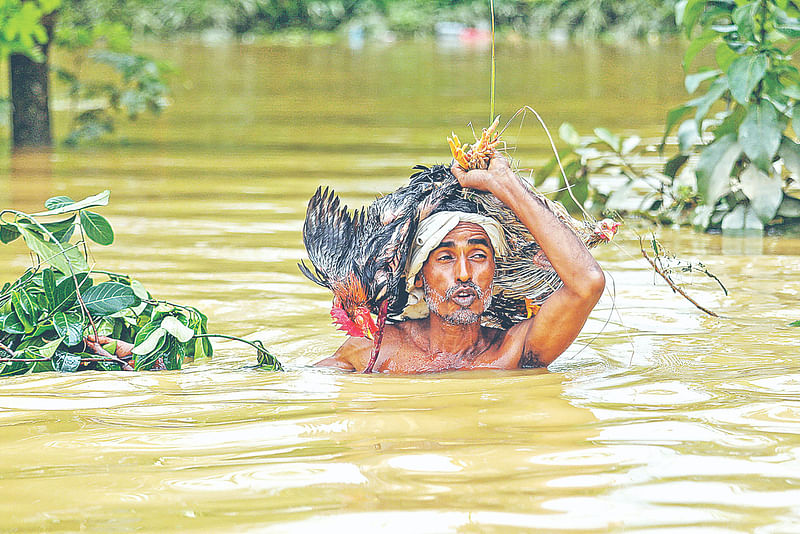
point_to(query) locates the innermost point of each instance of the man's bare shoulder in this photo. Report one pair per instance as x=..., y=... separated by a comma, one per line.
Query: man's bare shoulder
x=348, y=356
x=354, y=353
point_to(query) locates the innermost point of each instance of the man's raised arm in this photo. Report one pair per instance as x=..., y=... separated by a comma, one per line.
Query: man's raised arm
x=561, y=317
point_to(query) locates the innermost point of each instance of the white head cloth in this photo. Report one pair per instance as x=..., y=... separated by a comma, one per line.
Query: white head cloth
x=429, y=235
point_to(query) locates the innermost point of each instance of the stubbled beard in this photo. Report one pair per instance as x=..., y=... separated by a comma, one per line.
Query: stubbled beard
x=463, y=315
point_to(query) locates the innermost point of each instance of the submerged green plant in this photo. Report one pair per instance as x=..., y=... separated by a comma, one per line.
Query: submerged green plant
x=54, y=315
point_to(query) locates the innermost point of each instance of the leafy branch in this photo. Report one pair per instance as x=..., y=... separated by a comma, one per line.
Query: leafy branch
x=47, y=314
x=748, y=157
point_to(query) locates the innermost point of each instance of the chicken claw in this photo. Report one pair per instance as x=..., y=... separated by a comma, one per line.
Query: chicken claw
x=478, y=155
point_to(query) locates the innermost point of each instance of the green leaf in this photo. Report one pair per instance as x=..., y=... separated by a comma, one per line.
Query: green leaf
x=69, y=326
x=97, y=228
x=760, y=134
x=65, y=362
x=789, y=151
x=791, y=91
x=608, y=138
x=580, y=190
x=714, y=168
x=65, y=294
x=100, y=199
x=741, y=220
x=796, y=122
x=789, y=30
x=789, y=208
x=795, y=323
x=717, y=14
x=674, y=165
x=24, y=308
x=772, y=89
x=42, y=328
x=267, y=360
x=28, y=303
x=724, y=56
x=8, y=233
x=54, y=203
x=673, y=116
x=109, y=297
x=152, y=342
x=744, y=17
x=199, y=349
x=544, y=172
x=177, y=329
x=569, y=134
x=789, y=26
x=680, y=10
x=693, y=81
x=139, y=289
x=629, y=143
x=61, y=230
x=49, y=285
x=699, y=43
x=764, y=191
x=53, y=254
x=11, y=324
x=48, y=349
x=744, y=74
x=690, y=12
x=48, y=6
x=688, y=136
x=704, y=103
x=731, y=123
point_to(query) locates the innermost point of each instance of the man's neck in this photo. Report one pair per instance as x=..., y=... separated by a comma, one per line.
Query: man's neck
x=453, y=339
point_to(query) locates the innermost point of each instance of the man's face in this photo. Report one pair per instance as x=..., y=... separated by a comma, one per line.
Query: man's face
x=457, y=276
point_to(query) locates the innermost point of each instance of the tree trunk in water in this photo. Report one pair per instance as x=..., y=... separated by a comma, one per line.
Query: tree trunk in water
x=30, y=95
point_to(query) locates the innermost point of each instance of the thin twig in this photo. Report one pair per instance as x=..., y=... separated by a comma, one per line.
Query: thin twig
x=671, y=283
x=707, y=273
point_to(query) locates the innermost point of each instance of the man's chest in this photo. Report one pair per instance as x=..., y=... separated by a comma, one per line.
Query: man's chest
x=412, y=360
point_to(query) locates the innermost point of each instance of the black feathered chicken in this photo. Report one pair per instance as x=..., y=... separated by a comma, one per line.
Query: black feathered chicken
x=361, y=256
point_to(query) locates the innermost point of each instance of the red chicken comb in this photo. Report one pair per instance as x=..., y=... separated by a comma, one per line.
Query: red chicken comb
x=344, y=323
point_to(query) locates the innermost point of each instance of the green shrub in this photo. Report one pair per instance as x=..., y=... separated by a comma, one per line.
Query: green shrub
x=748, y=158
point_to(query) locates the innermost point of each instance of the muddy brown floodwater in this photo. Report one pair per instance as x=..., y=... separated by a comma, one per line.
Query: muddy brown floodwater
x=658, y=417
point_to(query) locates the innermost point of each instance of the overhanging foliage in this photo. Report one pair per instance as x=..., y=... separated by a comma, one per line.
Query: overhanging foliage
x=748, y=154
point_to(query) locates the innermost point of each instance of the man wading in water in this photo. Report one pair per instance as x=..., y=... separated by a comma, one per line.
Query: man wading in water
x=456, y=279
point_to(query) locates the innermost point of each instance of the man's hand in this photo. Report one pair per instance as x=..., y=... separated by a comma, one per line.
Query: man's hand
x=123, y=350
x=498, y=176
x=564, y=313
